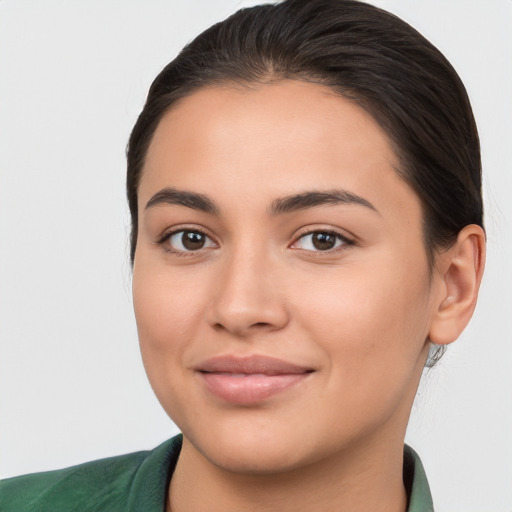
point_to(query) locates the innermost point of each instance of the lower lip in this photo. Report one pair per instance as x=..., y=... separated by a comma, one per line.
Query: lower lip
x=250, y=388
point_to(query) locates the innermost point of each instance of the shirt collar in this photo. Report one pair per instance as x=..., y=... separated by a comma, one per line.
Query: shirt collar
x=416, y=483
x=148, y=491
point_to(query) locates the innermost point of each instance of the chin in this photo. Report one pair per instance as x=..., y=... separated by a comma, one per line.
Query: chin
x=249, y=451
x=253, y=460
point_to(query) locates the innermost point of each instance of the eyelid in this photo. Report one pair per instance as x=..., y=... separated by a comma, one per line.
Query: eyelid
x=168, y=233
x=310, y=230
x=347, y=241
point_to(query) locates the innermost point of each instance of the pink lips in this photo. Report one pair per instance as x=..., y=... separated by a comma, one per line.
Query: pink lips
x=249, y=380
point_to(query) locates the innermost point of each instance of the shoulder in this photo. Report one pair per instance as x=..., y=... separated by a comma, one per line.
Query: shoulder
x=102, y=481
x=106, y=484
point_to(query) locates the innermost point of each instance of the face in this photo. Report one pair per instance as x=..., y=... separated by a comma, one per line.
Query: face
x=281, y=286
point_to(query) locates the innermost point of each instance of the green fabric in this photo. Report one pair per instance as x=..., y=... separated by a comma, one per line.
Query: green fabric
x=138, y=482
x=420, y=499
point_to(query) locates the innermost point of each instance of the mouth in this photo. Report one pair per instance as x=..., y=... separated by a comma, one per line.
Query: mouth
x=249, y=380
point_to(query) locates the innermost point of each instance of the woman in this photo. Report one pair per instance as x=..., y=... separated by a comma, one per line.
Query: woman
x=304, y=185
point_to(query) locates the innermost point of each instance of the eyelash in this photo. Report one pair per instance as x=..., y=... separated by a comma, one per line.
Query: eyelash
x=345, y=242
x=167, y=236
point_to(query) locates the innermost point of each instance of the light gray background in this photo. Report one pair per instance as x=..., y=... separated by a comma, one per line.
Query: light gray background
x=73, y=77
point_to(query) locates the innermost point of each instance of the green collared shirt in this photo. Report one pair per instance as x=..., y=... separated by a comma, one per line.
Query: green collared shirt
x=138, y=482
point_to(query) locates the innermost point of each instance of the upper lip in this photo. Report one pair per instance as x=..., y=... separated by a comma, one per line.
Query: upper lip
x=251, y=365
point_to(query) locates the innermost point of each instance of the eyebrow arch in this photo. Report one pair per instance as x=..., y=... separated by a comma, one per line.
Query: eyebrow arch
x=192, y=200
x=317, y=198
x=279, y=206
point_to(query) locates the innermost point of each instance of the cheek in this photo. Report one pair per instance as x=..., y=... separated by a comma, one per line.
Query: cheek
x=371, y=328
x=368, y=319
x=168, y=310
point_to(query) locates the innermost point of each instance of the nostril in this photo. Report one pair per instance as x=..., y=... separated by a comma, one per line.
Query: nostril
x=249, y=315
x=257, y=325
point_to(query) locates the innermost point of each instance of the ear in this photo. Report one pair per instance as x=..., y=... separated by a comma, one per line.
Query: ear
x=460, y=270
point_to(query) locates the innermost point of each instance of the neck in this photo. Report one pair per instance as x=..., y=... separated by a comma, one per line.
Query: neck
x=361, y=478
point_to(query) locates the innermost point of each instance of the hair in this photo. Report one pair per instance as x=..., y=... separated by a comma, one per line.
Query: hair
x=363, y=53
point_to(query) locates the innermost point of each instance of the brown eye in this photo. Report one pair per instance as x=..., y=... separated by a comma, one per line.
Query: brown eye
x=192, y=240
x=321, y=241
x=188, y=241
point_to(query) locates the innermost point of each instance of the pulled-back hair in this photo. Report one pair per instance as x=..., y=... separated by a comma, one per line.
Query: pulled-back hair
x=364, y=54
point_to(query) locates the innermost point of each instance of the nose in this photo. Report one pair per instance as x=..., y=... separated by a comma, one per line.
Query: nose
x=247, y=297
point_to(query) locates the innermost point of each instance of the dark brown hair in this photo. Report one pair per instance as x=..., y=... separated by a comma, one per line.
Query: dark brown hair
x=363, y=53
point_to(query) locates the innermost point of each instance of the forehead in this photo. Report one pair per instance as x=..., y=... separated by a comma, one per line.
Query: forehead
x=276, y=138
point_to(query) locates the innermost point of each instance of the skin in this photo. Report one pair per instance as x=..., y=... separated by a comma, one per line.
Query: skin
x=359, y=315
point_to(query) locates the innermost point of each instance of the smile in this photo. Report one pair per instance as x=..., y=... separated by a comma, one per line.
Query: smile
x=249, y=380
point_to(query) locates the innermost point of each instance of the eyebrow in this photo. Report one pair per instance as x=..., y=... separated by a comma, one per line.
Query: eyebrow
x=192, y=200
x=279, y=206
x=317, y=198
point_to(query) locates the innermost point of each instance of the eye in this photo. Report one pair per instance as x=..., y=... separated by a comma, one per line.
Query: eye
x=320, y=241
x=188, y=241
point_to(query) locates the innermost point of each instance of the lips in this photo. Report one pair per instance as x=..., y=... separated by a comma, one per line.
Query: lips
x=249, y=380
